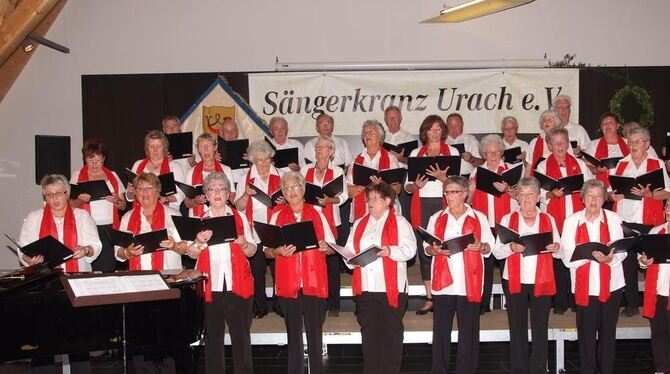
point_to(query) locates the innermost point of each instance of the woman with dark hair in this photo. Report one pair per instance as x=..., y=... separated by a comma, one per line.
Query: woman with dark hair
x=381, y=286
x=608, y=146
x=105, y=212
x=427, y=195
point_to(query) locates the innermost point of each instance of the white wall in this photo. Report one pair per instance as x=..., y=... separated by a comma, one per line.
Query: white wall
x=156, y=36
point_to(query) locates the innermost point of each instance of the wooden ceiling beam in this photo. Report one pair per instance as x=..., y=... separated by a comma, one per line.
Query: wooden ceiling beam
x=24, y=19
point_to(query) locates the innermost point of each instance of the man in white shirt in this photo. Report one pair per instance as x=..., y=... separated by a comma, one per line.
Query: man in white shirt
x=509, y=127
x=470, y=157
x=325, y=125
x=395, y=134
x=172, y=125
x=577, y=133
x=280, y=140
x=230, y=132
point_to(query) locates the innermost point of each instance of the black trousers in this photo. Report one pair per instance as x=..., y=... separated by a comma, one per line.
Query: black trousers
x=258, y=264
x=601, y=319
x=467, y=352
x=562, y=278
x=631, y=293
x=236, y=312
x=429, y=206
x=333, y=263
x=79, y=364
x=106, y=262
x=312, y=311
x=490, y=263
x=660, y=335
x=517, y=318
x=382, y=332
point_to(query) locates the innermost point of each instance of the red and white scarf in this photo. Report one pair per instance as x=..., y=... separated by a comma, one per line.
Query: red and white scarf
x=582, y=276
x=359, y=200
x=243, y=280
x=502, y=205
x=83, y=177
x=196, y=179
x=415, y=205
x=556, y=206
x=602, y=152
x=328, y=210
x=650, y=284
x=545, y=284
x=135, y=225
x=389, y=238
x=538, y=152
x=48, y=227
x=652, y=210
x=308, y=266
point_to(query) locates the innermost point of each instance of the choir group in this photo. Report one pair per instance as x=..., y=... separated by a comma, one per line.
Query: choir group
x=565, y=197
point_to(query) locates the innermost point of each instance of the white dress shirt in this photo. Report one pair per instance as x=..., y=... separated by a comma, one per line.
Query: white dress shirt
x=372, y=275
x=171, y=259
x=179, y=176
x=402, y=136
x=226, y=171
x=87, y=234
x=542, y=168
x=517, y=143
x=102, y=210
x=528, y=264
x=576, y=132
x=631, y=210
x=344, y=196
x=288, y=144
x=568, y=243
x=221, y=266
x=456, y=265
x=259, y=210
x=342, y=153
x=471, y=145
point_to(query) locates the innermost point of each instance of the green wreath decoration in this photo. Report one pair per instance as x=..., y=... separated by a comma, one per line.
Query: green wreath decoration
x=641, y=96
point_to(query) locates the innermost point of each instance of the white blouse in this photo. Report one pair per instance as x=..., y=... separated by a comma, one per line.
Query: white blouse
x=102, y=210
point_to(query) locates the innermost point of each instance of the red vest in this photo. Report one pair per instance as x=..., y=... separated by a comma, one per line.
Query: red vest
x=582, y=275
x=501, y=205
x=359, y=200
x=556, y=206
x=48, y=227
x=328, y=210
x=602, y=151
x=652, y=210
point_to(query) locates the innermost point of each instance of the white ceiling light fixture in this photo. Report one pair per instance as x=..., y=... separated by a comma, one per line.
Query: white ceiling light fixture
x=474, y=9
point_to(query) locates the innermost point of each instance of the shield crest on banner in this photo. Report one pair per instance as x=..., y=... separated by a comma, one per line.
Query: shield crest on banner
x=213, y=116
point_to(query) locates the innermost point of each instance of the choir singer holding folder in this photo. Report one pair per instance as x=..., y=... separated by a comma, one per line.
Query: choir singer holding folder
x=457, y=278
x=229, y=286
x=301, y=279
x=596, y=282
x=381, y=286
x=530, y=279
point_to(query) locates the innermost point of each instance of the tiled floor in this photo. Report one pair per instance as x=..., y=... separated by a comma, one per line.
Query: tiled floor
x=633, y=356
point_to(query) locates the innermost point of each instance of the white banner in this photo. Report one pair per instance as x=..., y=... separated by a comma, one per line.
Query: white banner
x=482, y=97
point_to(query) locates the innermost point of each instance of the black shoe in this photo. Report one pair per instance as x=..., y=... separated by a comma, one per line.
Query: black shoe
x=427, y=307
x=630, y=312
x=260, y=313
x=484, y=309
x=559, y=311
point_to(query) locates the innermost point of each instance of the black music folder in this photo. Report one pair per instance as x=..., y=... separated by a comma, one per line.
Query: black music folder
x=585, y=251
x=459, y=146
x=454, y=245
x=232, y=152
x=403, y=148
x=609, y=163
x=150, y=240
x=97, y=189
x=573, y=144
x=168, y=184
x=486, y=178
x=535, y=243
x=223, y=228
x=362, y=175
x=54, y=252
x=365, y=257
x=656, y=246
x=264, y=198
x=540, y=159
x=190, y=191
x=510, y=155
x=299, y=234
x=331, y=189
x=667, y=145
x=569, y=184
x=418, y=165
x=625, y=184
x=181, y=144
x=283, y=157
x=635, y=229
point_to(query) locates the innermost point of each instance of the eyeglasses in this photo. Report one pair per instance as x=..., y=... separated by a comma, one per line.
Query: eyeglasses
x=216, y=189
x=264, y=160
x=55, y=195
x=452, y=192
x=636, y=142
x=291, y=188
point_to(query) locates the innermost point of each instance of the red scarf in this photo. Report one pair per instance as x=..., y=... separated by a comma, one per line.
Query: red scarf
x=389, y=238
x=602, y=152
x=556, y=206
x=360, y=207
x=545, y=284
x=157, y=223
x=652, y=210
x=327, y=210
x=472, y=261
x=196, y=179
x=650, y=283
x=165, y=166
x=308, y=266
x=501, y=205
x=415, y=206
x=582, y=278
x=83, y=177
x=538, y=151
x=274, y=182
x=243, y=281
x=48, y=227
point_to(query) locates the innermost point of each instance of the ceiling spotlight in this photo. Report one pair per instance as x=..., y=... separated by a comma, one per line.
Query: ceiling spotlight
x=33, y=38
